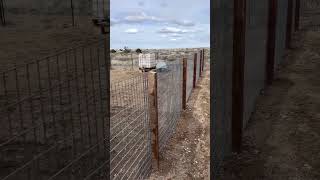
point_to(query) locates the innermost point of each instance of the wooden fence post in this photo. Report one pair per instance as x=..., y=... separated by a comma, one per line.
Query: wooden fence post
x=184, y=84
x=153, y=114
x=195, y=70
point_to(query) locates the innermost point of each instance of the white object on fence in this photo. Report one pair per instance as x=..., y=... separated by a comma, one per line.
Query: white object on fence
x=147, y=61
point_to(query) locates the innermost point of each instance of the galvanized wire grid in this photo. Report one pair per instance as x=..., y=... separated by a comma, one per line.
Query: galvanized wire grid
x=53, y=116
x=130, y=136
x=310, y=15
x=169, y=100
x=190, y=74
x=75, y=9
x=99, y=8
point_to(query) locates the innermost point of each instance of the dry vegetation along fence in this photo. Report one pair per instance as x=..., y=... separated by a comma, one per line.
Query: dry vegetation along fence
x=144, y=112
x=53, y=116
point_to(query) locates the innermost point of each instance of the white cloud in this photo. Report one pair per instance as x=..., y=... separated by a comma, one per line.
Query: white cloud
x=172, y=30
x=177, y=31
x=173, y=39
x=141, y=3
x=175, y=35
x=141, y=17
x=183, y=23
x=164, y=4
x=132, y=31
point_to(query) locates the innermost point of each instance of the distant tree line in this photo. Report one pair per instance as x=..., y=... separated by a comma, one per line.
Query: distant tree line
x=126, y=50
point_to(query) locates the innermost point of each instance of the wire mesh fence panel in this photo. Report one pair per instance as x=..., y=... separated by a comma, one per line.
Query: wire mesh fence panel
x=99, y=8
x=62, y=12
x=125, y=61
x=53, y=114
x=169, y=92
x=310, y=15
x=190, y=75
x=130, y=150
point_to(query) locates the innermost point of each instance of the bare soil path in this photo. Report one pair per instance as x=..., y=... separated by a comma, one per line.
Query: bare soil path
x=282, y=140
x=187, y=154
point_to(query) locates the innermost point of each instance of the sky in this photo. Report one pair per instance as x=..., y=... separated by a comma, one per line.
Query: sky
x=160, y=23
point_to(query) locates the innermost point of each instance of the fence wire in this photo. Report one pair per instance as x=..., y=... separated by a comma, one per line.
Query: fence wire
x=53, y=116
x=169, y=100
x=310, y=15
x=52, y=10
x=129, y=129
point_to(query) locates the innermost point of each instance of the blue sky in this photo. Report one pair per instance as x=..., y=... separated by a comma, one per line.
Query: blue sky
x=160, y=23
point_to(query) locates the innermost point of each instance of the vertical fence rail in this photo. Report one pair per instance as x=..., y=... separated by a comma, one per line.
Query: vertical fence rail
x=153, y=111
x=271, y=40
x=2, y=13
x=190, y=75
x=184, y=82
x=195, y=70
x=238, y=72
x=289, y=24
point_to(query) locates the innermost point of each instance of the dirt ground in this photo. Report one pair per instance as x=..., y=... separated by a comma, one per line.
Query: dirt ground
x=282, y=140
x=187, y=154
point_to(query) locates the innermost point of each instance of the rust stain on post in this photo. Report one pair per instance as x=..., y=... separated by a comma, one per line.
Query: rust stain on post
x=184, y=84
x=153, y=114
x=195, y=70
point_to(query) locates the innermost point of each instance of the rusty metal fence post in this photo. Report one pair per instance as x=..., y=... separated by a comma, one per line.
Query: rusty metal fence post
x=184, y=83
x=72, y=12
x=297, y=15
x=203, y=59
x=195, y=71
x=289, y=24
x=200, y=64
x=153, y=114
x=271, y=41
x=238, y=72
